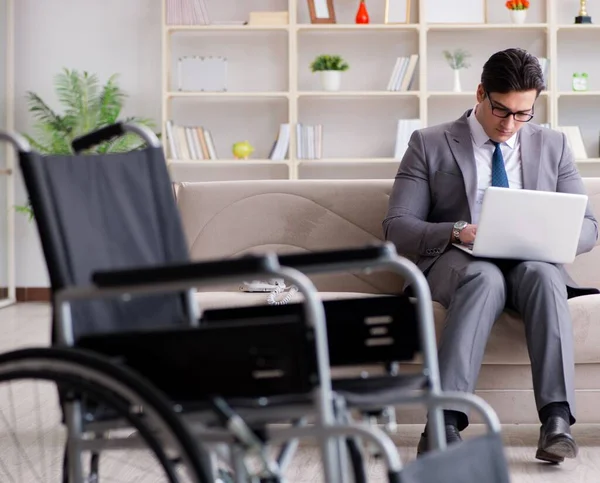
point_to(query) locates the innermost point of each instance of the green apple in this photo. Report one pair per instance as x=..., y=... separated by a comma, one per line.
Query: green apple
x=242, y=150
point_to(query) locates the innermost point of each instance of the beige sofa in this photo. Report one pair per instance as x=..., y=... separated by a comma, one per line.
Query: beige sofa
x=224, y=219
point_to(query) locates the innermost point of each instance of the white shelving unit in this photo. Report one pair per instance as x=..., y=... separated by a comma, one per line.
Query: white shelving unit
x=7, y=160
x=269, y=82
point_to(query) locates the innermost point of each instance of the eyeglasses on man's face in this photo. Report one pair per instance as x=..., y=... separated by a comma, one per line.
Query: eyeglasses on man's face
x=504, y=113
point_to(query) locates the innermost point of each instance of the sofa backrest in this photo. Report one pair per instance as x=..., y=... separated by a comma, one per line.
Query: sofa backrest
x=231, y=218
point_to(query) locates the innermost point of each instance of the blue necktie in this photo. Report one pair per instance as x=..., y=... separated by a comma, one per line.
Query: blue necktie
x=499, y=177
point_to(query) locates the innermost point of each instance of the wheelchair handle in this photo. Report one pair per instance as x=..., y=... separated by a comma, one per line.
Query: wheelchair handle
x=328, y=259
x=242, y=266
x=19, y=142
x=106, y=133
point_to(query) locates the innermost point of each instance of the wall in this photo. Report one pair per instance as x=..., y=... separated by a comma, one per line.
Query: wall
x=111, y=36
x=123, y=36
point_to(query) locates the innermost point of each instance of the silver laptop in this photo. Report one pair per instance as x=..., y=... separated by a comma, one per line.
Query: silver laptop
x=524, y=224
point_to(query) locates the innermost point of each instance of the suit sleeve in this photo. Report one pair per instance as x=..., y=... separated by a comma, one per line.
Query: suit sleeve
x=569, y=181
x=410, y=200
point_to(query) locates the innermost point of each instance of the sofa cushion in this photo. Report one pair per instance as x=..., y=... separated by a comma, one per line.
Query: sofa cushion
x=507, y=340
x=506, y=344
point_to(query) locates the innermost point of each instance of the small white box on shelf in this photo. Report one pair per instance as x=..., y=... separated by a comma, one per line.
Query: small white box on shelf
x=195, y=73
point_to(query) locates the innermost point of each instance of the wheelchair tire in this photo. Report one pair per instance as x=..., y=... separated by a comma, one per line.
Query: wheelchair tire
x=121, y=389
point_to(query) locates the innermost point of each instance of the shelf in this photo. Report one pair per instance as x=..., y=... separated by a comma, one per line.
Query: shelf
x=463, y=94
x=276, y=94
x=578, y=93
x=274, y=84
x=371, y=26
x=349, y=160
x=487, y=26
x=225, y=27
x=578, y=27
x=358, y=94
x=221, y=162
x=452, y=94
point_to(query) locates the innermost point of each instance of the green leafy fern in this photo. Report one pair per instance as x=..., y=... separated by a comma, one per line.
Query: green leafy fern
x=87, y=105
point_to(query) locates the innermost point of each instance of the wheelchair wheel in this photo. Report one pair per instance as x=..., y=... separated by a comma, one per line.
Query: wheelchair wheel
x=105, y=423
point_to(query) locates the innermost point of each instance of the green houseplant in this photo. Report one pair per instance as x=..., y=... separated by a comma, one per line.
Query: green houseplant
x=330, y=68
x=87, y=105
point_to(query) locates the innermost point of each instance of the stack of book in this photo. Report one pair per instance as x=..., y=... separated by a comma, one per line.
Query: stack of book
x=403, y=133
x=403, y=74
x=187, y=143
x=268, y=18
x=575, y=140
x=280, y=147
x=309, y=141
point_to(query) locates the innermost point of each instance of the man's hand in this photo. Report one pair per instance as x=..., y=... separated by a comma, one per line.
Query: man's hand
x=467, y=235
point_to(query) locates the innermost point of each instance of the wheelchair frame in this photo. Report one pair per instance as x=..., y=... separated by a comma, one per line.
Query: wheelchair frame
x=294, y=268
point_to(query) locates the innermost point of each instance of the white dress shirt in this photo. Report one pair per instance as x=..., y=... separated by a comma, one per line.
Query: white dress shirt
x=484, y=151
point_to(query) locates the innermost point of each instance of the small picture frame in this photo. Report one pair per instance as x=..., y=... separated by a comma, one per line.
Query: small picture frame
x=444, y=12
x=321, y=11
x=397, y=11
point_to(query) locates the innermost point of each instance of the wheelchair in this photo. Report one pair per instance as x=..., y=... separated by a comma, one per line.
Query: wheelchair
x=136, y=364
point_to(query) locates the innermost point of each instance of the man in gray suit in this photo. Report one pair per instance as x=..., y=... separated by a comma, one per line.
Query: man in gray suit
x=435, y=202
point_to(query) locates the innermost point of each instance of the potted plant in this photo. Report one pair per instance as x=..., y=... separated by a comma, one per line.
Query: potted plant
x=331, y=68
x=87, y=106
x=518, y=10
x=457, y=61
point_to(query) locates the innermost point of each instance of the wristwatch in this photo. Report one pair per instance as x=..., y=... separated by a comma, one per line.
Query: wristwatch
x=458, y=227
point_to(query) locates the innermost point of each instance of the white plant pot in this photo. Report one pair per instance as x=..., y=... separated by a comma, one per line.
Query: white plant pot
x=457, y=87
x=518, y=16
x=331, y=80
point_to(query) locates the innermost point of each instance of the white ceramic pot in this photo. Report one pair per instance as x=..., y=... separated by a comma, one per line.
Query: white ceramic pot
x=457, y=87
x=331, y=80
x=518, y=16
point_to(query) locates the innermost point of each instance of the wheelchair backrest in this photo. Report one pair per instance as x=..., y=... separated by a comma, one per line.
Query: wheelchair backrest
x=104, y=212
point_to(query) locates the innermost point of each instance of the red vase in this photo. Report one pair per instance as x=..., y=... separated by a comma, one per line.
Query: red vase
x=362, y=16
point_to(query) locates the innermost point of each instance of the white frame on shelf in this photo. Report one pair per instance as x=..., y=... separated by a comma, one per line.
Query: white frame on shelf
x=294, y=95
x=10, y=155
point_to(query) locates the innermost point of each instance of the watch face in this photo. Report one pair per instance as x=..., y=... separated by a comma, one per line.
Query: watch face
x=459, y=225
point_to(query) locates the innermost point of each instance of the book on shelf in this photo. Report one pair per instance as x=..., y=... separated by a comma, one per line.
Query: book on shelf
x=280, y=147
x=309, y=141
x=187, y=12
x=544, y=65
x=403, y=133
x=575, y=140
x=189, y=143
x=268, y=18
x=403, y=73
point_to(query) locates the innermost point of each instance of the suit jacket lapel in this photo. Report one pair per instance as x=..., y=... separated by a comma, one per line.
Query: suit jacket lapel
x=461, y=145
x=531, y=153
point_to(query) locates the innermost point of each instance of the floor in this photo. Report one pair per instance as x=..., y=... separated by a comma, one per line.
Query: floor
x=25, y=325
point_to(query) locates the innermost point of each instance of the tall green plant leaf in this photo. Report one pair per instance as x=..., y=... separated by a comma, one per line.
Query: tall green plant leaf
x=87, y=105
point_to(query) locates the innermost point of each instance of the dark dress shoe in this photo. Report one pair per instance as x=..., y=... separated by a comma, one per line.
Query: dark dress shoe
x=452, y=436
x=556, y=443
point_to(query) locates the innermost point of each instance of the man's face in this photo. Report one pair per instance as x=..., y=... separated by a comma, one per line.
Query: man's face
x=494, y=106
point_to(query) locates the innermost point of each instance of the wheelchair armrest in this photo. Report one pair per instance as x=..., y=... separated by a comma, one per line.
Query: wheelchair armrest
x=333, y=259
x=242, y=266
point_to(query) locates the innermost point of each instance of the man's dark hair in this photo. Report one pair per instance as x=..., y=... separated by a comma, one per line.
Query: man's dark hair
x=512, y=70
